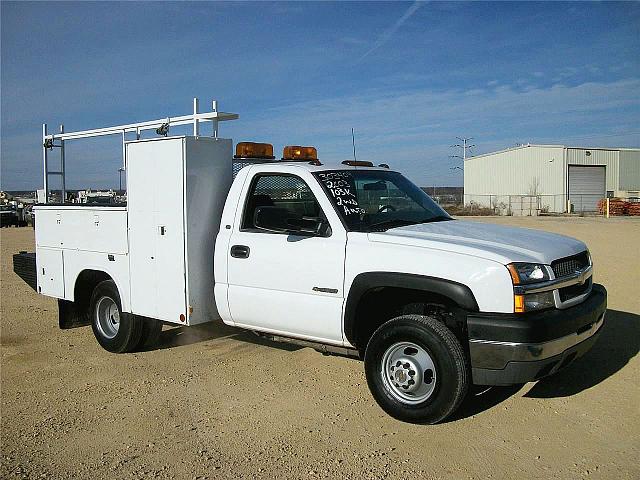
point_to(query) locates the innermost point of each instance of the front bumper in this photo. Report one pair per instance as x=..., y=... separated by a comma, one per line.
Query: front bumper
x=506, y=349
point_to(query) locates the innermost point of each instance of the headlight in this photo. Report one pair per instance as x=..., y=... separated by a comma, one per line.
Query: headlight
x=526, y=273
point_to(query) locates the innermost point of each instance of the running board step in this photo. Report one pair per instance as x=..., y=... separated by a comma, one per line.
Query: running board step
x=319, y=347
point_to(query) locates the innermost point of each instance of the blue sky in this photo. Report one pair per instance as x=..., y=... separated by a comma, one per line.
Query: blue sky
x=409, y=77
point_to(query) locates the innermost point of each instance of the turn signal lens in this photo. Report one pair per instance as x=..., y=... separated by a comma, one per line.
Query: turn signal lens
x=514, y=273
x=254, y=150
x=296, y=152
x=518, y=303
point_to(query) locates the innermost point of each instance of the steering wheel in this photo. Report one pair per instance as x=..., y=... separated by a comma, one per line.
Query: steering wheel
x=386, y=207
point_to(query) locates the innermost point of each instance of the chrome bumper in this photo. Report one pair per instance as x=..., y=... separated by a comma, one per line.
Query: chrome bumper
x=495, y=355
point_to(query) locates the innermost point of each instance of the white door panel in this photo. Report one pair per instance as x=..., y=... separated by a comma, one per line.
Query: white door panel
x=308, y=316
x=308, y=261
x=289, y=284
x=274, y=287
x=156, y=228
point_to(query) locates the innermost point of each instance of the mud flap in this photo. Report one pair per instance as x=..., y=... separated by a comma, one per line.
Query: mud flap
x=70, y=316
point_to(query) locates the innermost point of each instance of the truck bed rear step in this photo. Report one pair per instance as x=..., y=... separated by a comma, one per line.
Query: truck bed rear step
x=24, y=265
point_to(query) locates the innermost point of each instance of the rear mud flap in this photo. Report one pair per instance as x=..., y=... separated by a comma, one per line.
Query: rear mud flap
x=70, y=316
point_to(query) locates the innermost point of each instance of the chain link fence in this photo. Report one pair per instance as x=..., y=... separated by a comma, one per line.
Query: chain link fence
x=533, y=205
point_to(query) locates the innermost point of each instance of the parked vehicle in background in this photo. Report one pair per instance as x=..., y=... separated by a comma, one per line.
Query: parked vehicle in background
x=8, y=216
x=350, y=259
x=108, y=197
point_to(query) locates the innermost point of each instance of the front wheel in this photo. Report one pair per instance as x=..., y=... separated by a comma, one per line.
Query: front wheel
x=416, y=369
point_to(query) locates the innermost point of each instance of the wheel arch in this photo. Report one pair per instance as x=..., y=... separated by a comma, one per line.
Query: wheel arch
x=86, y=280
x=381, y=293
x=74, y=313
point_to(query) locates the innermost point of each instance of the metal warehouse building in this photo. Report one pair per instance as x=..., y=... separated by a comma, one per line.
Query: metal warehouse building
x=558, y=177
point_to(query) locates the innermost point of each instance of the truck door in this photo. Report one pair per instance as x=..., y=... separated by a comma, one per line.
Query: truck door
x=283, y=283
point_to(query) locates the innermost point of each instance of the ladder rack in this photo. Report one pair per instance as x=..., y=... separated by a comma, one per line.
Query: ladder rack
x=161, y=126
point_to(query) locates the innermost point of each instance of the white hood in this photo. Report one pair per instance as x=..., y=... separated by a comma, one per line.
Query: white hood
x=494, y=242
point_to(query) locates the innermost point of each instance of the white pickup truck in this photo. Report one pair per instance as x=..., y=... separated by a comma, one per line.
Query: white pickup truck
x=349, y=259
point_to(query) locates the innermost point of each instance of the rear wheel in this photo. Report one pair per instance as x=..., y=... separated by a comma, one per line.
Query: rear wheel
x=115, y=331
x=416, y=369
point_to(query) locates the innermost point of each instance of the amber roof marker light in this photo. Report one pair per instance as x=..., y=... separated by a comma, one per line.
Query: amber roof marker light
x=297, y=152
x=254, y=150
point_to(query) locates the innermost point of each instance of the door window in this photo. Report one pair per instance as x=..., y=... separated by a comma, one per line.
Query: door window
x=284, y=191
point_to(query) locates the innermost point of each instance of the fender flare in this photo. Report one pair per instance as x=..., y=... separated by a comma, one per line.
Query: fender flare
x=460, y=294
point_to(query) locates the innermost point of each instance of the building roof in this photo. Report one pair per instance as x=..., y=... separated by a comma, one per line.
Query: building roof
x=510, y=149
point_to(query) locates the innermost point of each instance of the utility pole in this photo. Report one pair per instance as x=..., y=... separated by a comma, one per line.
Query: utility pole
x=120, y=170
x=465, y=145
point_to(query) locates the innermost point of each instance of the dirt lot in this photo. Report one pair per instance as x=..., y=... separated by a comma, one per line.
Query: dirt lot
x=215, y=402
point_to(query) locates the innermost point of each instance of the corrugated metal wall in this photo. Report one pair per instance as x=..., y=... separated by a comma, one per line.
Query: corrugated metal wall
x=629, y=170
x=514, y=172
x=608, y=158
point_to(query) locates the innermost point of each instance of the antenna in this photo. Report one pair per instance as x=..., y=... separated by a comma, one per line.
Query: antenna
x=353, y=142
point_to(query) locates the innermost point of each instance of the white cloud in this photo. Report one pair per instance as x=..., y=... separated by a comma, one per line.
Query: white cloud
x=412, y=129
x=415, y=128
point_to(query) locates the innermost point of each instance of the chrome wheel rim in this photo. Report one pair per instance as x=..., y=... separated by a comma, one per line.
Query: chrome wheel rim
x=408, y=372
x=107, y=317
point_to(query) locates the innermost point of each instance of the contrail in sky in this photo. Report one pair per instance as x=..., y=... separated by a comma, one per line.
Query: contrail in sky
x=390, y=32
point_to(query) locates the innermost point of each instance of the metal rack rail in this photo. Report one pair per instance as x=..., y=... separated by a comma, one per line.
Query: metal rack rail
x=161, y=126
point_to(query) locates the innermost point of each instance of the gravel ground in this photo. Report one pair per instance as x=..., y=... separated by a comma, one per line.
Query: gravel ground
x=215, y=402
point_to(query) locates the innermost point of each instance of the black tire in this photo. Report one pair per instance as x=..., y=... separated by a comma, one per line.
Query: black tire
x=151, y=329
x=447, y=355
x=129, y=330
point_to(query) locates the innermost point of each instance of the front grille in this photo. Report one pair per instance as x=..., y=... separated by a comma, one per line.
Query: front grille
x=572, y=291
x=570, y=265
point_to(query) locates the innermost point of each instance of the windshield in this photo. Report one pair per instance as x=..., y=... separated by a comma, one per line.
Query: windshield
x=374, y=200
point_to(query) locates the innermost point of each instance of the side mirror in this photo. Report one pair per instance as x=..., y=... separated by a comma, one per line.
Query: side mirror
x=281, y=220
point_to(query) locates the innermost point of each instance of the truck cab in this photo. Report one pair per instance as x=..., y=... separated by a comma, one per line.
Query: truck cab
x=347, y=258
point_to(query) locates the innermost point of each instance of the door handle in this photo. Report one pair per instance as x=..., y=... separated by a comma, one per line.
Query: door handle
x=240, y=251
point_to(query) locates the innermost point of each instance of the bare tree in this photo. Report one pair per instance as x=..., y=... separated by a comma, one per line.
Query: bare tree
x=534, y=187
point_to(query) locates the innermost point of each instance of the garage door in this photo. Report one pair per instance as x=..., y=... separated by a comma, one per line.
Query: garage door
x=586, y=187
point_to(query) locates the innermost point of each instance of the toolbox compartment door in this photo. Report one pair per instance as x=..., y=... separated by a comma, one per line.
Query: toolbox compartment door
x=50, y=268
x=155, y=183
